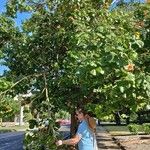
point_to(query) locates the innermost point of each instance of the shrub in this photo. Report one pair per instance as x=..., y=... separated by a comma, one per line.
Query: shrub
x=146, y=128
x=134, y=128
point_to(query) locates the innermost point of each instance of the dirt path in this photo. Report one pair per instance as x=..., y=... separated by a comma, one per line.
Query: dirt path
x=123, y=142
x=105, y=141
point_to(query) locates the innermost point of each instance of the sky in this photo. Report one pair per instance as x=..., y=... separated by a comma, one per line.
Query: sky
x=20, y=17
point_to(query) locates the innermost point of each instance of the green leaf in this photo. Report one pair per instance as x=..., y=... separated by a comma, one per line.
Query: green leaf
x=121, y=89
x=93, y=64
x=100, y=70
x=139, y=43
x=124, y=95
x=93, y=72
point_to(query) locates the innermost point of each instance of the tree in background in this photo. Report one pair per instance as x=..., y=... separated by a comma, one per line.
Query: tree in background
x=8, y=109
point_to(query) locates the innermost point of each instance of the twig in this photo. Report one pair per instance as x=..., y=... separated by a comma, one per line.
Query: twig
x=47, y=97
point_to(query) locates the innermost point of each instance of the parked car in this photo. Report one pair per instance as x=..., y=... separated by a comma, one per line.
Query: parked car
x=63, y=122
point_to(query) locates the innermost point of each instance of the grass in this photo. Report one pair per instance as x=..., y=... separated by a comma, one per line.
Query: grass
x=117, y=130
x=13, y=128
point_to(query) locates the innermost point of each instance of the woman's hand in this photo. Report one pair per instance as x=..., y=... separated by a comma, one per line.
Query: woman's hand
x=71, y=141
x=58, y=143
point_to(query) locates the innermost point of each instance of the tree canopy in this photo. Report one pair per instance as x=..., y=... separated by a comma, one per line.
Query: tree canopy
x=73, y=52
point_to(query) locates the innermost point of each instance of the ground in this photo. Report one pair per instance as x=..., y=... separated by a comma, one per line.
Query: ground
x=134, y=142
x=126, y=140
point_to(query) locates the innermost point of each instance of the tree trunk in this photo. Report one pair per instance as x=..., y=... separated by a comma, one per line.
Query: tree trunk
x=128, y=118
x=73, y=128
x=139, y=119
x=99, y=122
x=21, y=116
x=1, y=121
x=15, y=119
x=117, y=119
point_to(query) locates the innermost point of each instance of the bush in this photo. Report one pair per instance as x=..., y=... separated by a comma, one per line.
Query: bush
x=146, y=128
x=134, y=128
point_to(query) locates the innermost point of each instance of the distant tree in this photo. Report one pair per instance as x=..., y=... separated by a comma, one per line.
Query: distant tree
x=8, y=108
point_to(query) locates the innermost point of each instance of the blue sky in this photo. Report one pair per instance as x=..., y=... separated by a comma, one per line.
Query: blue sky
x=20, y=17
x=2, y=4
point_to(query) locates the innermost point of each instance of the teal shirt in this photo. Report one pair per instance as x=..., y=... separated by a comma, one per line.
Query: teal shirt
x=86, y=142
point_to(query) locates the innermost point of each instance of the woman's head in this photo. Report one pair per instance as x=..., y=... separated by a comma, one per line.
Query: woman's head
x=80, y=113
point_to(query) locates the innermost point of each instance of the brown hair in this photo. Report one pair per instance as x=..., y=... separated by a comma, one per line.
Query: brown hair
x=81, y=110
x=90, y=120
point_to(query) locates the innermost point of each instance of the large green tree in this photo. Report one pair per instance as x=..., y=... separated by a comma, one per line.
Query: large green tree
x=76, y=52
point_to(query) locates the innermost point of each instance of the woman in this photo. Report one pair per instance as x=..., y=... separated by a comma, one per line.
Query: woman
x=84, y=136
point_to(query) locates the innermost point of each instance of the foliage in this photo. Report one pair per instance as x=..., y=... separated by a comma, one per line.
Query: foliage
x=27, y=113
x=136, y=129
x=42, y=137
x=146, y=128
x=72, y=52
x=7, y=31
x=4, y=84
x=8, y=107
x=130, y=89
x=62, y=114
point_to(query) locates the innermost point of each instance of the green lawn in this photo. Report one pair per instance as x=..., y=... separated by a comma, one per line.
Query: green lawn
x=13, y=128
x=117, y=130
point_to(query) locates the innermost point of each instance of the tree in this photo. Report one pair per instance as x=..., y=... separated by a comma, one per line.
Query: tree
x=8, y=108
x=77, y=52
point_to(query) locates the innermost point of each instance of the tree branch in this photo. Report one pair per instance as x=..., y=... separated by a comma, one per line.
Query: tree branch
x=24, y=78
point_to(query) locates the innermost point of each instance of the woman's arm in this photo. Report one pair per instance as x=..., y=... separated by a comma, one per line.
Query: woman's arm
x=71, y=141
